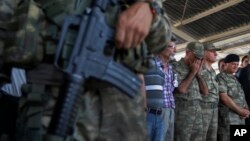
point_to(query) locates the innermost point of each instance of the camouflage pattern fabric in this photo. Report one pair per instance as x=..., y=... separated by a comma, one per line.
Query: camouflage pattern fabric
x=209, y=106
x=23, y=46
x=6, y=8
x=182, y=70
x=157, y=40
x=106, y=114
x=35, y=111
x=6, y=11
x=210, y=120
x=188, y=121
x=230, y=85
x=223, y=120
x=188, y=115
x=213, y=87
x=110, y=114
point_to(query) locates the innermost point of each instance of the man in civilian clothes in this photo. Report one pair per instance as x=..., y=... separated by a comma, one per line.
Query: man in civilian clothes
x=244, y=79
x=160, y=82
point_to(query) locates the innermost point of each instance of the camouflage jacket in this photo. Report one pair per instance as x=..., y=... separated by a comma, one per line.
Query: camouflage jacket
x=229, y=84
x=182, y=70
x=40, y=32
x=210, y=78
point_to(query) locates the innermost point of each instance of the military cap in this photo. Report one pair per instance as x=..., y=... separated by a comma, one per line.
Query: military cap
x=210, y=46
x=231, y=58
x=197, y=48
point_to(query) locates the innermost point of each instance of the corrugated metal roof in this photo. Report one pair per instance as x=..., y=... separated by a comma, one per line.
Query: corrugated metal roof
x=223, y=22
x=234, y=15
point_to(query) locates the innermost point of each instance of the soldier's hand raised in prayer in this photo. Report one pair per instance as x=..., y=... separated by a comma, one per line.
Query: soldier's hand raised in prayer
x=196, y=66
x=133, y=25
x=200, y=68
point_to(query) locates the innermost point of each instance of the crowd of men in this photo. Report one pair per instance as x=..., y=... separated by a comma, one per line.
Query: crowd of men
x=182, y=100
x=205, y=104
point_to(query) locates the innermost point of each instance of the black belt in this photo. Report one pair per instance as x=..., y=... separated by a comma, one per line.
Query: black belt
x=154, y=111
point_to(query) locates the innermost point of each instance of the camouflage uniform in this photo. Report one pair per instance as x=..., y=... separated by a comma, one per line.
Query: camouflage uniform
x=230, y=85
x=109, y=115
x=209, y=105
x=106, y=113
x=188, y=115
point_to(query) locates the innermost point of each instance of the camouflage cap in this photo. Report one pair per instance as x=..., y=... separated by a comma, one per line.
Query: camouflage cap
x=197, y=48
x=210, y=46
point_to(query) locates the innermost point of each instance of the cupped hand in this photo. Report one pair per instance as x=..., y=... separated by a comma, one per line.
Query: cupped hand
x=133, y=25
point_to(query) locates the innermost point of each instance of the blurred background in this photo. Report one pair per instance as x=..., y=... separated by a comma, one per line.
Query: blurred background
x=226, y=23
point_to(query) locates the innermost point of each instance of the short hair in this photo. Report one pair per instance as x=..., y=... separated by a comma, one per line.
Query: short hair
x=173, y=38
x=243, y=58
x=220, y=61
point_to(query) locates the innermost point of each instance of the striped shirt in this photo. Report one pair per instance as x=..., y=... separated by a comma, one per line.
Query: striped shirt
x=168, y=87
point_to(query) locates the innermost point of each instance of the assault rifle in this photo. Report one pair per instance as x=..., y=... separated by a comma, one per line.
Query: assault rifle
x=88, y=60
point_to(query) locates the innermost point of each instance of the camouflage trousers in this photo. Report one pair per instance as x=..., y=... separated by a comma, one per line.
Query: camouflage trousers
x=210, y=120
x=188, y=121
x=106, y=114
x=35, y=111
x=227, y=118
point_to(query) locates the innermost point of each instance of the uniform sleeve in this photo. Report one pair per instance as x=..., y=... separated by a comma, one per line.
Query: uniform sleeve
x=222, y=84
x=7, y=9
x=160, y=32
x=177, y=72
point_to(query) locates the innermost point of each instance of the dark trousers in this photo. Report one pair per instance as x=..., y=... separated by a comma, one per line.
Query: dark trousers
x=8, y=115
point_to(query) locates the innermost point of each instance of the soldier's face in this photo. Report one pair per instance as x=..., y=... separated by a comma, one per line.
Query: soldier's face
x=221, y=66
x=210, y=55
x=231, y=67
x=194, y=58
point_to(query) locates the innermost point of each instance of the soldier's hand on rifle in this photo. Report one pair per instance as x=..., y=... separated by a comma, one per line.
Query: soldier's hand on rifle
x=133, y=25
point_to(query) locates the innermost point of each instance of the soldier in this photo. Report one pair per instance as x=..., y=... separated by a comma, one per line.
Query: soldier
x=105, y=112
x=188, y=115
x=209, y=104
x=221, y=65
x=232, y=107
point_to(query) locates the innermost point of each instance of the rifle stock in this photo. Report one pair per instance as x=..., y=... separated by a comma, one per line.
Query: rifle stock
x=87, y=60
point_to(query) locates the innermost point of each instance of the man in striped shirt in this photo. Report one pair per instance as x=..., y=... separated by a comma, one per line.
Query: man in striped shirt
x=160, y=82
